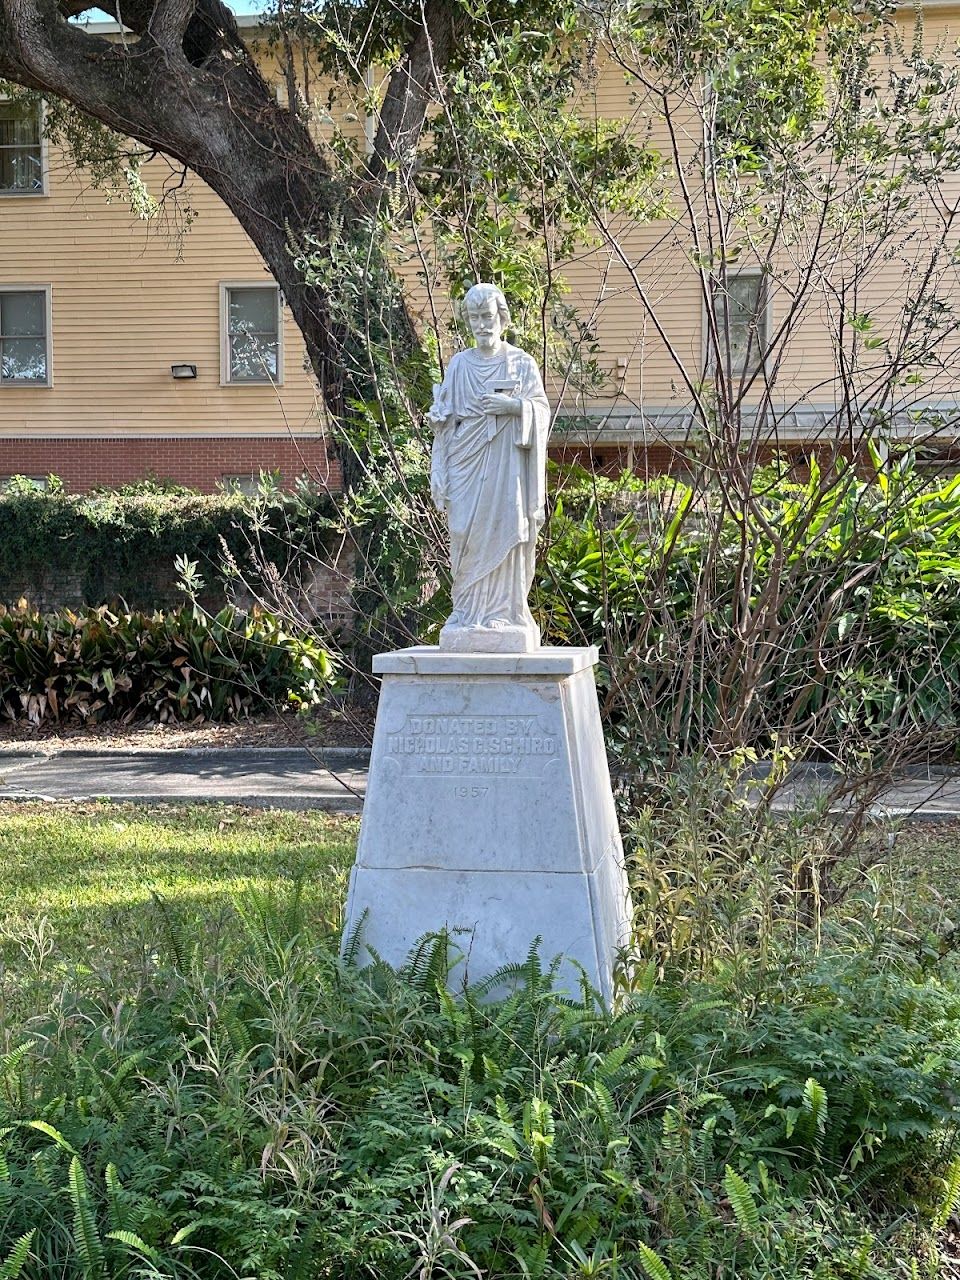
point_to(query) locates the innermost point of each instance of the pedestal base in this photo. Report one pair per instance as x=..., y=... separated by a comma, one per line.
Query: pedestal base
x=489, y=639
x=489, y=810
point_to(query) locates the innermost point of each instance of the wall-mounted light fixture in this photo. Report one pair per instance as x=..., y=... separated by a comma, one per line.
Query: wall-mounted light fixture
x=183, y=370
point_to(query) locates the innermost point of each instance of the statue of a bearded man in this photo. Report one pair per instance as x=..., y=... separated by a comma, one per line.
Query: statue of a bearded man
x=491, y=420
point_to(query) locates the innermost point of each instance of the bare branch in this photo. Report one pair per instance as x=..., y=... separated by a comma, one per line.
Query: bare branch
x=413, y=86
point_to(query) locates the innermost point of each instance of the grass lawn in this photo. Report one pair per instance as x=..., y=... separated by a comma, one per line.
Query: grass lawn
x=90, y=872
x=266, y=1112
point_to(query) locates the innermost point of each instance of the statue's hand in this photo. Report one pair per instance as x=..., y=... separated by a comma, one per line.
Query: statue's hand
x=439, y=495
x=500, y=404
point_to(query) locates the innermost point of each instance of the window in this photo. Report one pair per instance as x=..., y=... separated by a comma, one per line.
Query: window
x=24, y=484
x=740, y=308
x=248, y=485
x=252, y=344
x=25, y=337
x=21, y=149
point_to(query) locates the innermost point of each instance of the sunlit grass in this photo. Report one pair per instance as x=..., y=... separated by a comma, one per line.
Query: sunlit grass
x=91, y=872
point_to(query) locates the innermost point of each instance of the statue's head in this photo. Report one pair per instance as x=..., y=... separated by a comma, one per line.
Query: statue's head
x=487, y=314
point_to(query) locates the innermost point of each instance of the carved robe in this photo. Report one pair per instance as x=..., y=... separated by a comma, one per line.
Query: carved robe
x=491, y=473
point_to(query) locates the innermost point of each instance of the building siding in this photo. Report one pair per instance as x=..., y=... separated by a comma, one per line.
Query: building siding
x=129, y=300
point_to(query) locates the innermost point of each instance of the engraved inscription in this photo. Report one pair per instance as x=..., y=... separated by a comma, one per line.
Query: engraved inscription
x=462, y=746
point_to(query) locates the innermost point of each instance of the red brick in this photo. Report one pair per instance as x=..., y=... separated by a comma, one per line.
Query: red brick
x=201, y=463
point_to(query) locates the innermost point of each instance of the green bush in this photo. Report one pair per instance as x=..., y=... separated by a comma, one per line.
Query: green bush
x=823, y=613
x=92, y=549
x=181, y=665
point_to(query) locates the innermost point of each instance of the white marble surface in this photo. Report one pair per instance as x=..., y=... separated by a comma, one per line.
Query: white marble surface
x=495, y=916
x=467, y=639
x=489, y=808
x=491, y=420
x=427, y=659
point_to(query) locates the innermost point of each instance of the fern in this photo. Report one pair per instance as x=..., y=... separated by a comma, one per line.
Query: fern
x=10, y=1065
x=16, y=1259
x=174, y=933
x=49, y=1131
x=815, y=1109
x=352, y=943
x=116, y=1209
x=742, y=1202
x=610, y=1066
x=273, y=929
x=110, y=1079
x=86, y=1238
x=238, y=1033
x=858, y=1268
x=653, y=1265
x=429, y=964
x=133, y=1241
x=950, y=1197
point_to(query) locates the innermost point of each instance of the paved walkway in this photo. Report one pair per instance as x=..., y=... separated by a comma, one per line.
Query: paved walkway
x=277, y=777
x=334, y=779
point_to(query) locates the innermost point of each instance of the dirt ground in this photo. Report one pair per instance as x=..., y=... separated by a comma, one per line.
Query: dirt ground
x=326, y=728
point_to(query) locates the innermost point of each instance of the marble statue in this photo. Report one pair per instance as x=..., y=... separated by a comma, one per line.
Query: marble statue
x=491, y=419
x=489, y=810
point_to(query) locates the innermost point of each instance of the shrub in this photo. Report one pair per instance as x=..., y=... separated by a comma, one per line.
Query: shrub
x=91, y=549
x=181, y=665
x=824, y=613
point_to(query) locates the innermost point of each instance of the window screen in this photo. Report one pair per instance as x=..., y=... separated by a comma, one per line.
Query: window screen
x=23, y=336
x=253, y=340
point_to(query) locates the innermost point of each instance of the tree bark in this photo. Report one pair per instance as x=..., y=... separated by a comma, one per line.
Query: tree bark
x=413, y=87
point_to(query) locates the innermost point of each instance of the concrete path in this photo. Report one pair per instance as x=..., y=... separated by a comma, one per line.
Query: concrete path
x=263, y=777
x=334, y=779
x=928, y=794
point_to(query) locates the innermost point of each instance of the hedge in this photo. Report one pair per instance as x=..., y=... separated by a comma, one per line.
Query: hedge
x=59, y=549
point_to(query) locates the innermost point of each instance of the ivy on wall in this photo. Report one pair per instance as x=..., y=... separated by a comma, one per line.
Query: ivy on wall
x=60, y=549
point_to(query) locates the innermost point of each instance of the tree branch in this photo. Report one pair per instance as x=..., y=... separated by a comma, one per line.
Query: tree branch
x=168, y=23
x=413, y=86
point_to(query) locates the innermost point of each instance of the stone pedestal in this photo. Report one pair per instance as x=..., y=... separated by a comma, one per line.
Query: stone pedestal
x=489, y=809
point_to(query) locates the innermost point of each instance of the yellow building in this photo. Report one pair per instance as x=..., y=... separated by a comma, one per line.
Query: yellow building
x=127, y=348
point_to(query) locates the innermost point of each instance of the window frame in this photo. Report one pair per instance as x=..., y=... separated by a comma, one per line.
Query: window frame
x=5, y=193
x=765, y=318
x=226, y=287
x=24, y=384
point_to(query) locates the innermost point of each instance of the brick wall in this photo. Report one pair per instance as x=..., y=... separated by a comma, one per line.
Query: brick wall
x=664, y=458
x=201, y=462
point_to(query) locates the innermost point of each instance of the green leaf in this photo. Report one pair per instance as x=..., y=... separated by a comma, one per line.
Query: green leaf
x=41, y=1126
x=133, y=1241
x=17, y=1257
x=652, y=1263
x=86, y=1238
x=950, y=1197
x=742, y=1202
